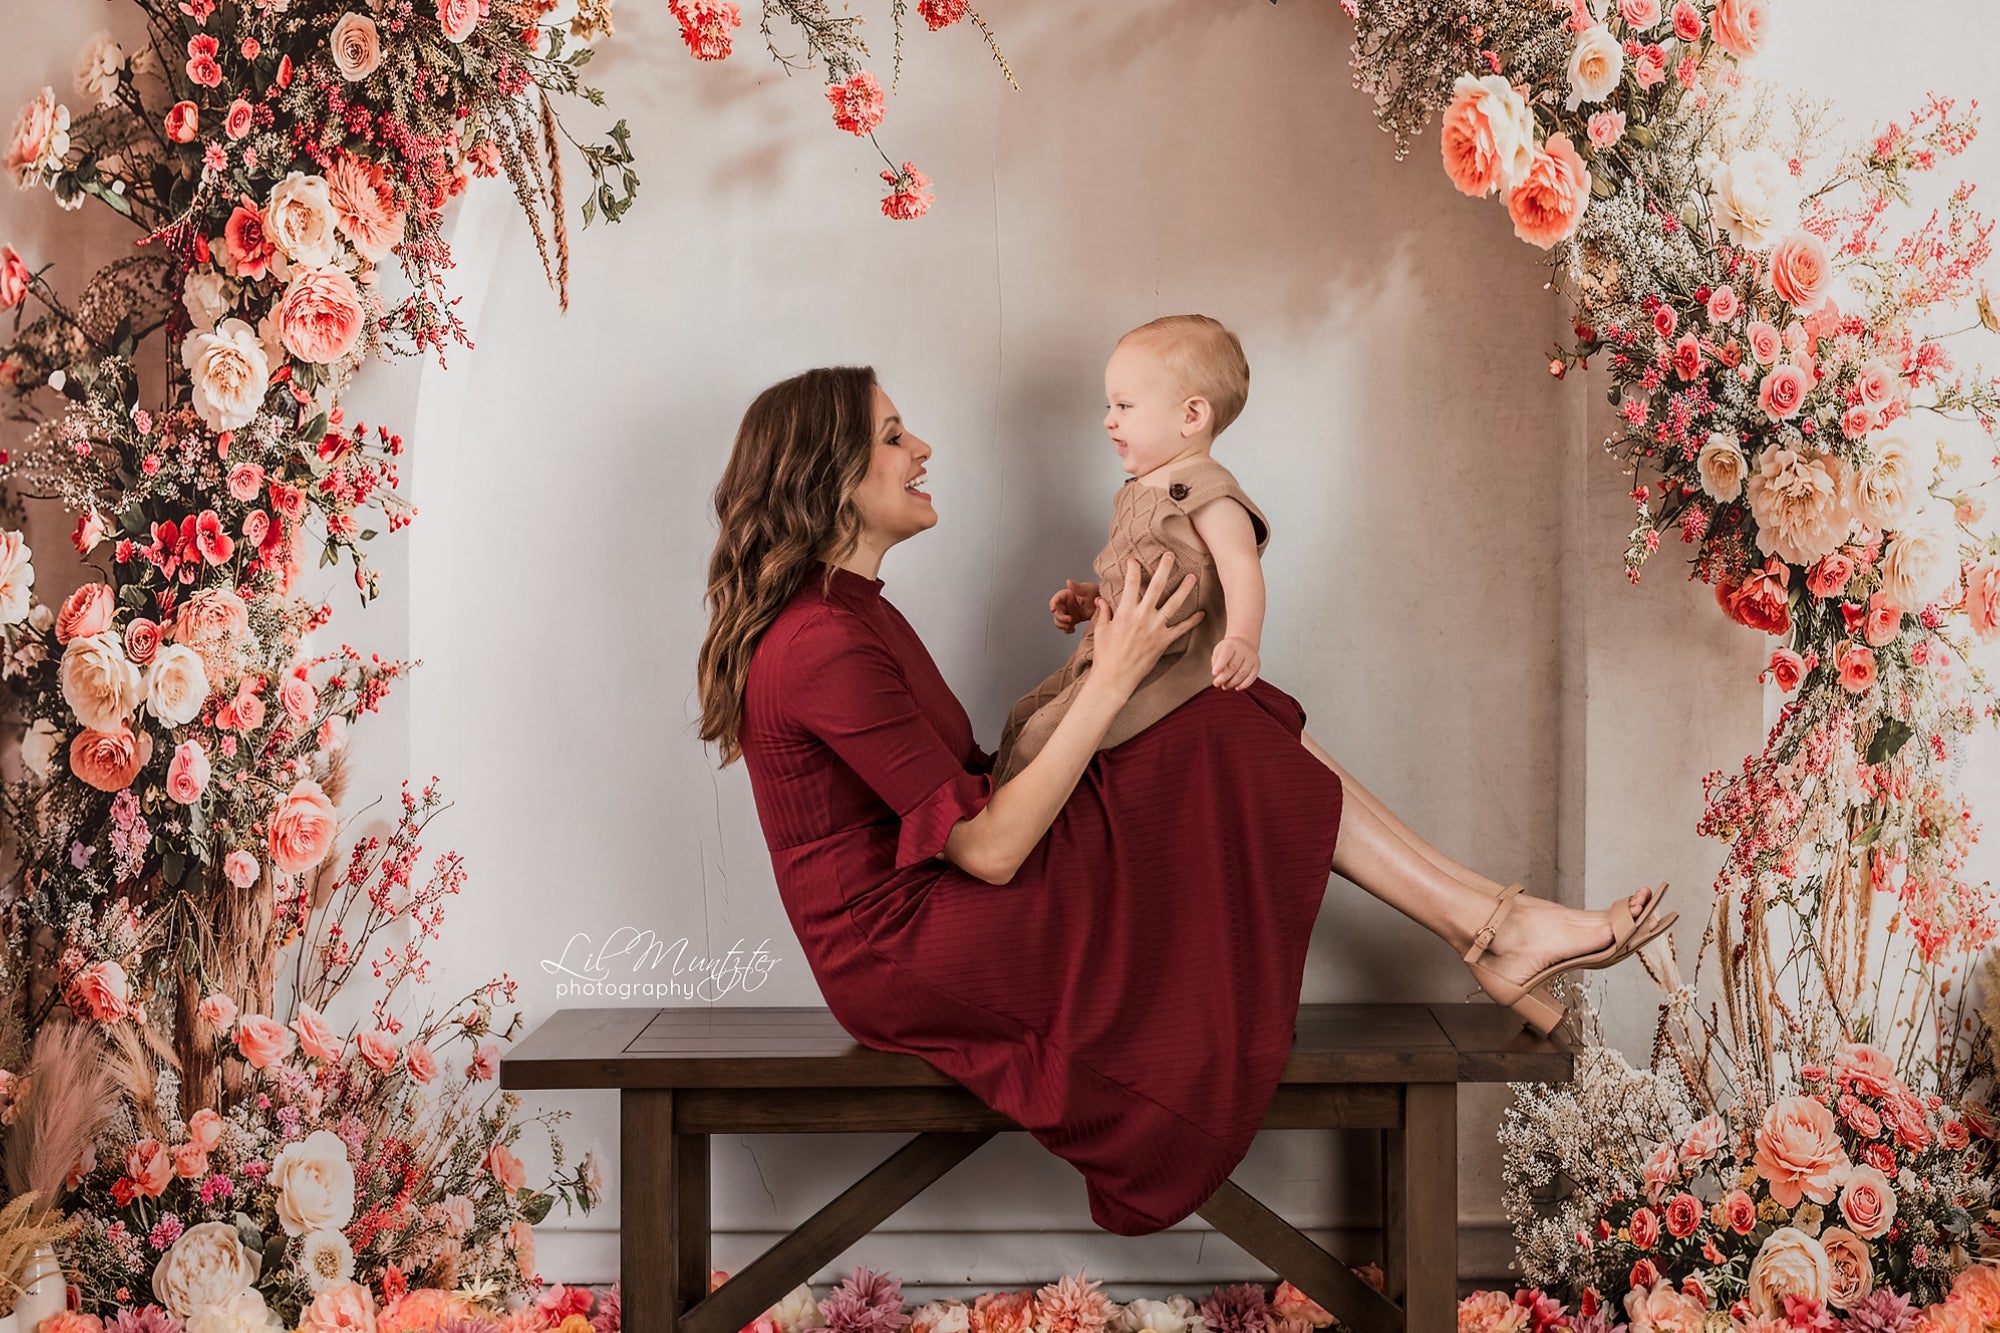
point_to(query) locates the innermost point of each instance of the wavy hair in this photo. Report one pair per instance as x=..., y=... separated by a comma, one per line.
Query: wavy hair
x=786, y=500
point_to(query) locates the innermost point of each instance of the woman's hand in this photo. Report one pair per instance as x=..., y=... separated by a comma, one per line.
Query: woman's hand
x=1072, y=604
x=1131, y=636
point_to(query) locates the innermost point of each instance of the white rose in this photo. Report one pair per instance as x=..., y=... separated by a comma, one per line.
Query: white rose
x=315, y=1184
x=1157, y=1315
x=942, y=1316
x=1887, y=488
x=1921, y=565
x=1595, y=67
x=207, y=1265
x=1722, y=467
x=299, y=219
x=206, y=297
x=17, y=575
x=99, y=682
x=356, y=46
x=1790, y=1263
x=38, y=748
x=231, y=373
x=243, y=1312
x=97, y=67
x=176, y=685
x=1755, y=198
x=798, y=1311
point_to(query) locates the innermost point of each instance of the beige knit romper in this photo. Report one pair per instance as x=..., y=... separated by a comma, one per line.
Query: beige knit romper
x=1146, y=523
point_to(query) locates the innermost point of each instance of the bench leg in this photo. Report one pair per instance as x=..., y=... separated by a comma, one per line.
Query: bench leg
x=1420, y=1223
x=653, y=1263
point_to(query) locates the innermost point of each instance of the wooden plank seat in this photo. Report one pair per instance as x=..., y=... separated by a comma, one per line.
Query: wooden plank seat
x=685, y=1074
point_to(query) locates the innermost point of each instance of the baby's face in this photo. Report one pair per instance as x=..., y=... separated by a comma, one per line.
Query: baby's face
x=1145, y=411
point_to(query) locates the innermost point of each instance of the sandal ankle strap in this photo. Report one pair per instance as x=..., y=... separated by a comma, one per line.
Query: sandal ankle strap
x=1484, y=935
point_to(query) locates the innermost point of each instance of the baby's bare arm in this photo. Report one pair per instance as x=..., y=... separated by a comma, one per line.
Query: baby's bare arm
x=1225, y=526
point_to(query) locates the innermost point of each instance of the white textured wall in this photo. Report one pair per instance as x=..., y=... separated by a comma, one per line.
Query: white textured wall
x=1445, y=595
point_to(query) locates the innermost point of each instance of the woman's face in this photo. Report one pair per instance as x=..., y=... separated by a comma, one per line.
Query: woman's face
x=891, y=500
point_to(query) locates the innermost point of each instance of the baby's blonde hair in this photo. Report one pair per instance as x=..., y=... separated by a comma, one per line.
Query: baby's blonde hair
x=1203, y=358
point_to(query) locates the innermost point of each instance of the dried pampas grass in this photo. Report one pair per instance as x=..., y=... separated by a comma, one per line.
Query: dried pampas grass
x=69, y=1094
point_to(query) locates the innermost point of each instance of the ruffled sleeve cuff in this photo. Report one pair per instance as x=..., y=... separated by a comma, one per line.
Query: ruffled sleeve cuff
x=926, y=826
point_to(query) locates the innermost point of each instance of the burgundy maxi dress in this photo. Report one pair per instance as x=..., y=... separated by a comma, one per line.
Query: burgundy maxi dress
x=1129, y=997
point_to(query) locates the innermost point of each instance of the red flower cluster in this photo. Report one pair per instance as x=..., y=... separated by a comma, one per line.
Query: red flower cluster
x=909, y=193
x=858, y=104
x=706, y=25
x=942, y=13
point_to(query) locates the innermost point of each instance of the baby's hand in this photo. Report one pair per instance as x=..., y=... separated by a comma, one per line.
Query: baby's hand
x=1235, y=664
x=1072, y=604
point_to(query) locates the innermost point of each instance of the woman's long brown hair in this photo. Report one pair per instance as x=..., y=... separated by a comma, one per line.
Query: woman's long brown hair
x=785, y=501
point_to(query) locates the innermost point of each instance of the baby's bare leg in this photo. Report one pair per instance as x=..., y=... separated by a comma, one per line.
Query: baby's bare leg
x=1354, y=791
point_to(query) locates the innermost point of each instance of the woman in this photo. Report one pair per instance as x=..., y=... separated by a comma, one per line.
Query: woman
x=1108, y=948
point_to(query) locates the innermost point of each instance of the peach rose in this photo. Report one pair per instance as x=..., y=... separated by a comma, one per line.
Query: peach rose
x=1882, y=621
x=378, y=1048
x=218, y=1010
x=216, y=624
x=342, y=1307
x=1977, y=1287
x=142, y=640
x=298, y=698
x=1764, y=342
x=1878, y=386
x=302, y=828
x=190, y=1161
x=101, y=991
x=240, y=868
x=1723, y=304
x=1830, y=577
x=1857, y=673
x=1550, y=200
x=85, y=612
x=1787, y=669
x=187, y=775
x=151, y=1167
x=1850, y=1271
x=176, y=685
x=1890, y=486
x=1488, y=134
x=1740, y=26
x=1783, y=392
x=205, y=1129
x=207, y=1265
x=1868, y=1202
x=1798, y=498
x=1661, y=1309
x=1704, y=1140
x=506, y=1167
x=417, y=1058
x=1646, y=1227
x=264, y=1041
x=1799, y=1151
x=364, y=205
x=99, y=682
x=458, y=18
x=183, y=122
x=1800, y=270
x=521, y=1236
x=298, y=218
x=110, y=760
x=1606, y=128
x=1982, y=598
x=1789, y=1263
x=320, y=315
x=230, y=372
x=356, y=46
x=316, y=1039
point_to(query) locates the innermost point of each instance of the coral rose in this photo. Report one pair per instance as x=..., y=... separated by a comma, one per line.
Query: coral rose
x=1488, y=136
x=1882, y=621
x=100, y=992
x=320, y=315
x=216, y=624
x=458, y=18
x=110, y=760
x=247, y=247
x=1868, y=1202
x=364, y=205
x=1550, y=200
x=1850, y=1272
x=1982, y=598
x=190, y=1161
x=1799, y=1151
x=99, y=682
x=187, y=775
x=1787, y=669
x=151, y=1167
x=316, y=1039
x=1830, y=577
x=85, y=612
x=1790, y=1263
x=315, y=1183
x=1857, y=673
x=218, y=1010
x=378, y=1048
x=1740, y=26
x=1783, y=392
x=417, y=1058
x=142, y=639
x=205, y=1129
x=264, y=1041
x=302, y=828
x=1800, y=270
x=1760, y=600
x=15, y=278
x=506, y=1167
x=183, y=122
x=1798, y=498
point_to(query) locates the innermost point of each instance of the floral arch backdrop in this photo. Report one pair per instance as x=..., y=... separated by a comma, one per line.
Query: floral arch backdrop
x=1811, y=1149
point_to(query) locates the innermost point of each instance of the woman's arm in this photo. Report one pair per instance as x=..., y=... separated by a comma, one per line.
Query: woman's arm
x=993, y=844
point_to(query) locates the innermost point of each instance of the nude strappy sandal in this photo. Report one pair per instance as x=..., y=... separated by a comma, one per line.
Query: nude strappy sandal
x=1531, y=999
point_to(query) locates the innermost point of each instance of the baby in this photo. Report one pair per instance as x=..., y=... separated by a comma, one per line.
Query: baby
x=1170, y=388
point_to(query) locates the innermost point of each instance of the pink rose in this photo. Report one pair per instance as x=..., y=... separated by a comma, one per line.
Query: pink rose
x=1640, y=13
x=378, y=1048
x=1982, y=598
x=205, y=1129
x=1723, y=304
x=1868, y=1202
x=33, y=129
x=1883, y=621
x=1799, y=1151
x=1684, y=1213
x=1764, y=343
x=320, y=315
x=246, y=710
x=1783, y=392
x=187, y=775
x=1548, y=204
x=1606, y=128
x=1800, y=271
x=485, y=1062
x=1830, y=576
x=298, y=698
x=142, y=640
x=99, y=992
x=1649, y=67
x=15, y=279
x=240, y=119
x=1687, y=21
x=1740, y=1211
x=302, y=828
x=1704, y=1140
x=1645, y=1228
x=1857, y=673
x=1864, y=1120
x=245, y=480
x=316, y=1039
x=506, y=1167
x=1877, y=384
x=190, y=1161
x=1857, y=421
x=264, y=1041
x=1787, y=668
x=246, y=247
x=458, y=18
x=109, y=760
x=240, y=868
x=85, y=612
x=256, y=527
x=1740, y=26
x=417, y=1058
x=218, y=1010
x=1661, y=1170
x=151, y=1167
x=183, y=122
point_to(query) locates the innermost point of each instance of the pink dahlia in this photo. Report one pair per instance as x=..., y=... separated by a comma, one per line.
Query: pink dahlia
x=1073, y=1304
x=866, y=1303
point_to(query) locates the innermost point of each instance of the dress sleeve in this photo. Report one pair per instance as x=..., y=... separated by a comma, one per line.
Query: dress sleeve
x=851, y=694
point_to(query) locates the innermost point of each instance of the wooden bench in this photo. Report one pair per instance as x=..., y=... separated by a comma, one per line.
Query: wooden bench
x=685, y=1074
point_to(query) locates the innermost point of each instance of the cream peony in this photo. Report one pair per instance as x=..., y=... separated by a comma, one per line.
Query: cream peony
x=99, y=682
x=176, y=685
x=1799, y=499
x=38, y=748
x=1789, y=1263
x=1888, y=488
x=206, y=298
x=230, y=372
x=1595, y=66
x=97, y=66
x=244, y=1312
x=1755, y=198
x=1921, y=564
x=1722, y=467
x=17, y=575
x=299, y=219
x=799, y=1310
x=315, y=1184
x=206, y=1265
